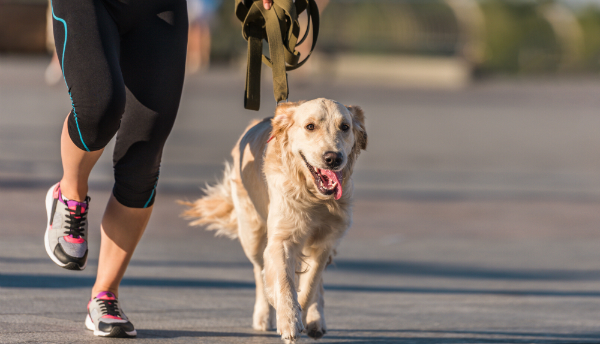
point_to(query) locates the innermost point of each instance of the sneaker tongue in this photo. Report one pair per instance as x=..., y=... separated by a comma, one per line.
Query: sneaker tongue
x=106, y=295
x=73, y=205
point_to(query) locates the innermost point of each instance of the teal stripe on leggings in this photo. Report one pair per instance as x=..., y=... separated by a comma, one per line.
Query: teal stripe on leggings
x=62, y=64
x=153, y=190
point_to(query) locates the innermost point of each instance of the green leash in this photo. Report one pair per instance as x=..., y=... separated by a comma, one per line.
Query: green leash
x=280, y=28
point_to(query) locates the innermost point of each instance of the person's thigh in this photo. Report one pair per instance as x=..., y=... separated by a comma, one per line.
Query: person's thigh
x=153, y=67
x=88, y=47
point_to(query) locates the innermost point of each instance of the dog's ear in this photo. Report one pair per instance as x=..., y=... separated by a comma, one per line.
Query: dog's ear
x=283, y=118
x=358, y=126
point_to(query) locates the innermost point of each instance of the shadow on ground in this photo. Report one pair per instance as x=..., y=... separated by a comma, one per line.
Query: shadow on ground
x=398, y=336
x=63, y=281
x=198, y=334
x=447, y=337
x=381, y=267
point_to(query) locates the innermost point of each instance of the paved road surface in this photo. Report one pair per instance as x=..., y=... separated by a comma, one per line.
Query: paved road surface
x=476, y=219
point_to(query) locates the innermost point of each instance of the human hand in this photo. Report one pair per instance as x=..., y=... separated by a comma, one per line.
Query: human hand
x=267, y=4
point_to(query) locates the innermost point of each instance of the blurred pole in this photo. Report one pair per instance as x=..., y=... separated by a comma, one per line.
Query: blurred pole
x=53, y=73
x=304, y=48
x=200, y=15
x=568, y=33
x=49, y=30
x=471, y=28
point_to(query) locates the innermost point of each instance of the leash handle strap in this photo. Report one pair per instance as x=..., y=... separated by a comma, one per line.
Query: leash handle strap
x=279, y=26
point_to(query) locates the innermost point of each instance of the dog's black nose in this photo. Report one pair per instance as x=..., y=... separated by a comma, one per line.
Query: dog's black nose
x=332, y=159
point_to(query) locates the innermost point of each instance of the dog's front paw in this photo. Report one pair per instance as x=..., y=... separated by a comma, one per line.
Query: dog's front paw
x=289, y=324
x=315, y=324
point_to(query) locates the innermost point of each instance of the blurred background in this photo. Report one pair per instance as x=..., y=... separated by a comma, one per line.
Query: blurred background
x=462, y=96
x=477, y=200
x=452, y=88
x=486, y=36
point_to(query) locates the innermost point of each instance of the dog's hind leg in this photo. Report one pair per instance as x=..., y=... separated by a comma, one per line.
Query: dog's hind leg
x=311, y=291
x=263, y=318
x=253, y=237
x=315, y=314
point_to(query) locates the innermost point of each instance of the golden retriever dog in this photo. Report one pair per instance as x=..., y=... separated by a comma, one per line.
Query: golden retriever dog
x=288, y=198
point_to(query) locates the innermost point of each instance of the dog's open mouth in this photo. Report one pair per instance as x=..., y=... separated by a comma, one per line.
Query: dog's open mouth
x=327, y=181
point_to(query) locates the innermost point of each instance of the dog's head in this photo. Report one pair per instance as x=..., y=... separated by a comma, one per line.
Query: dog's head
x=321, y=139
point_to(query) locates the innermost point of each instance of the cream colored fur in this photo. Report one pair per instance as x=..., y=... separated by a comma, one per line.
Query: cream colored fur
x=287, y=228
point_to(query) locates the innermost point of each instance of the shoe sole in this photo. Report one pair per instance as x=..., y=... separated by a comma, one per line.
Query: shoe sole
x=116, y=332
x=70, y=265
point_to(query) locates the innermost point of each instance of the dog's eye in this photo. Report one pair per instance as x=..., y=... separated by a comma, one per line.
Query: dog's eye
x=310, y=127
x=345, y=127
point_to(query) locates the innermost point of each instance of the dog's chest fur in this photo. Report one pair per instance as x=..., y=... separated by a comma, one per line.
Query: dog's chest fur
x=267, y=177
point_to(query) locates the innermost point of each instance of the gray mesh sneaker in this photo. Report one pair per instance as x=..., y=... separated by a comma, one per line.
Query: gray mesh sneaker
x=66, y=230
x=106, y=318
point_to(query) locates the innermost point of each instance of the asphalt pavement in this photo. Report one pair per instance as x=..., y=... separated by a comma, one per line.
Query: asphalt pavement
x=476, y=217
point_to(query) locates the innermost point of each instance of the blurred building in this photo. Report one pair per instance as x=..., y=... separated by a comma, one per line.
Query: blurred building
x=489, y=36
x=481, y=36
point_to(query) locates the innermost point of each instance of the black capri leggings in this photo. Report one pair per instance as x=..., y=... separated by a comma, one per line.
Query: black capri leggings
x=124, y=64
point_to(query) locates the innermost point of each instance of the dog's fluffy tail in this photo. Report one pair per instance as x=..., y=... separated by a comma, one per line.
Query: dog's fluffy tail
x=216, y=209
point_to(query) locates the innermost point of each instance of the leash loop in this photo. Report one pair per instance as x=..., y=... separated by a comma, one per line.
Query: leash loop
x=279, y=26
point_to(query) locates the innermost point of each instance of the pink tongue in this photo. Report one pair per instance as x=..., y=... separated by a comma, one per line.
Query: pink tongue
x=334, y=177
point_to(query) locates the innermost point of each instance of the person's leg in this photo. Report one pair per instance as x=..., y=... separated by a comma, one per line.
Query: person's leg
x=88, y=48
x=77, y=166
x=121, y=229
x=153, y=67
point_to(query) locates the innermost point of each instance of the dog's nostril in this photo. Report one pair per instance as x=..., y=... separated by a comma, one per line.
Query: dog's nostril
x=333, y=159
